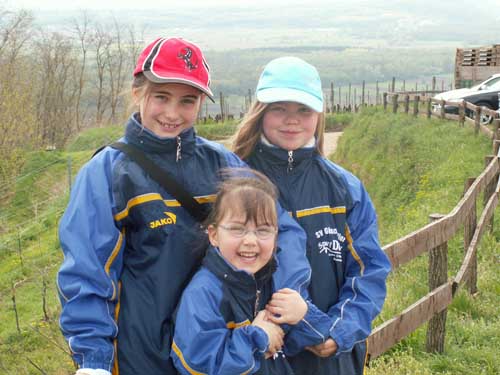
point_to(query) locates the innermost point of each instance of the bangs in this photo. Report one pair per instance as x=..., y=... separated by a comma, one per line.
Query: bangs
x=256, y=205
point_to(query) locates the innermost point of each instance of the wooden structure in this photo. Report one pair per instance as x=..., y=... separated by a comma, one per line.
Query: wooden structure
x=433, y=238
x=473, y=65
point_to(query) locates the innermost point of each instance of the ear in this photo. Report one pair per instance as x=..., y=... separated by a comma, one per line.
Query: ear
x=212, y=235
x=136, y=97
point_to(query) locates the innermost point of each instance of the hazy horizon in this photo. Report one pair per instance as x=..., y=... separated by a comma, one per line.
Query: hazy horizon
x=225, y=24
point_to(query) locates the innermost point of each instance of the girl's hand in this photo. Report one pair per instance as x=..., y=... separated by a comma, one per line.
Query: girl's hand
x=273, y=331
x=286, y=306
x=328, y=348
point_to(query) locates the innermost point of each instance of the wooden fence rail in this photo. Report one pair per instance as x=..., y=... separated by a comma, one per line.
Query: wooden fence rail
x=439, y=110
x=434, y=236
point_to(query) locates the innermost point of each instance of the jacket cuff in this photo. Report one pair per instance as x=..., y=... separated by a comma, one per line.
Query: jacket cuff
x=316, y=321
x=338, y=334
x=258, y=338
x=92, y=371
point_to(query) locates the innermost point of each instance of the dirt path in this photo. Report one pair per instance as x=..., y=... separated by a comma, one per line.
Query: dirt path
x=330, y=144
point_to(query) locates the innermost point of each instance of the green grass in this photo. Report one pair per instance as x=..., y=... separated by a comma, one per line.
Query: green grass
x=411, y=168
x=338, y=121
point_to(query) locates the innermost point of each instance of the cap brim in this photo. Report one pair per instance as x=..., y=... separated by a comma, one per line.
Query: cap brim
x=273, y=95
x=156, y=79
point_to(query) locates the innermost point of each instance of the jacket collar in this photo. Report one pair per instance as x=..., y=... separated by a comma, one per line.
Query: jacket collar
x=147, y=141
x=237, y=279
x=282, y=158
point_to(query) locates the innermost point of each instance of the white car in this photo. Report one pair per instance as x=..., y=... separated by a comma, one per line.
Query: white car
x=485, y=94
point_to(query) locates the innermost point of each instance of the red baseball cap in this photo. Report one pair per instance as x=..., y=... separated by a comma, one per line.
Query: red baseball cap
x=175, y=60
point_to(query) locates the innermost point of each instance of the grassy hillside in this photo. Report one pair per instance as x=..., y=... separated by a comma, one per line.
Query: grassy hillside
x=395, y=155
x=413, y=168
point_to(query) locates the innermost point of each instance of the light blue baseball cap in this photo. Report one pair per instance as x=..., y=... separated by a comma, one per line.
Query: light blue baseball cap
x=290, y=79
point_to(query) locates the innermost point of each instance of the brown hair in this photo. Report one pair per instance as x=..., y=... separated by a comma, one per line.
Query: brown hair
x=250, y=131
x=249, y=191
x=143, y=87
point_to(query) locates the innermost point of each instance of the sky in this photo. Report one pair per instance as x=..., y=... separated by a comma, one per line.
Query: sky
x=123, y=4
x=163, y=4
x=219, y=24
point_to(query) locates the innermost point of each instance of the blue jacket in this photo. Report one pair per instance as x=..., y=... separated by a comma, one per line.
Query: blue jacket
x=213, y=331
x=130, y=249
x=349, y=268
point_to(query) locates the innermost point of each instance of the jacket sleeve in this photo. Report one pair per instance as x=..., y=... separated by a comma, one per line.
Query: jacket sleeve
x=204, y=344
x=87, y=279
x=293, y=270
x=367, y=266
x=313, y=329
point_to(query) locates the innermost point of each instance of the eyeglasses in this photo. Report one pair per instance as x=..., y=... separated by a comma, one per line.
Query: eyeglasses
x=239, y=231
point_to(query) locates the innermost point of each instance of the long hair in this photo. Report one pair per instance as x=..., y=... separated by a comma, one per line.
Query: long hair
x=250, y=131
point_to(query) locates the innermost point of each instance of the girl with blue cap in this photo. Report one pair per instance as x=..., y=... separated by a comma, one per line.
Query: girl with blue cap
x=282, y=136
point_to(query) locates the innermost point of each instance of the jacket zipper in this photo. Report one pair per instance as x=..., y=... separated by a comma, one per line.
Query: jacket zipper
x=178, y=155
x=289, y=168
x=290, y=162
x=257, y=300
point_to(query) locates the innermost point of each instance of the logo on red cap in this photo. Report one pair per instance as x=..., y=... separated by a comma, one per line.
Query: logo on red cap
x=186, y=54
x=175, y=60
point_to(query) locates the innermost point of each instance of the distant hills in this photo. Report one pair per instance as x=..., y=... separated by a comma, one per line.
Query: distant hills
x=224, y=24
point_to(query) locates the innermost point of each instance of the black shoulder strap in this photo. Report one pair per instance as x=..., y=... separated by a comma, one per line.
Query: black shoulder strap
x=198, y=211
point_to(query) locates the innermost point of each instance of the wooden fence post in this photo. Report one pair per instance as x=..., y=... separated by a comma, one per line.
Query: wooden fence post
x=429, y=105
x=461, y=113
x=349, y=100
x=394, y=103
x=393, y=86
x=443, y=102
x=477, y=120
x=14, y=306
x=363, y=94
x=407, y=103
x=496, y=125
x=438, y=275
x=332, y=96
x=470, y=224
x=496, y=146
x=222, y=106
x=433, y=84
x=376, y=93
x=44, y=299
x=20, y=249
x=415, y=105
x=489, y=189
x=384, y=97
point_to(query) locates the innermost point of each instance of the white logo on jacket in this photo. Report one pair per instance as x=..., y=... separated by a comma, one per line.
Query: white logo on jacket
x=333, y=247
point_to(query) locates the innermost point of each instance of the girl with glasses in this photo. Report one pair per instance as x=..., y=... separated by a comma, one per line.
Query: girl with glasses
x=222, y=326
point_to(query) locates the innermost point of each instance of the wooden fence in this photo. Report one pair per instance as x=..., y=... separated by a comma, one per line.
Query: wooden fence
x=433, y=238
